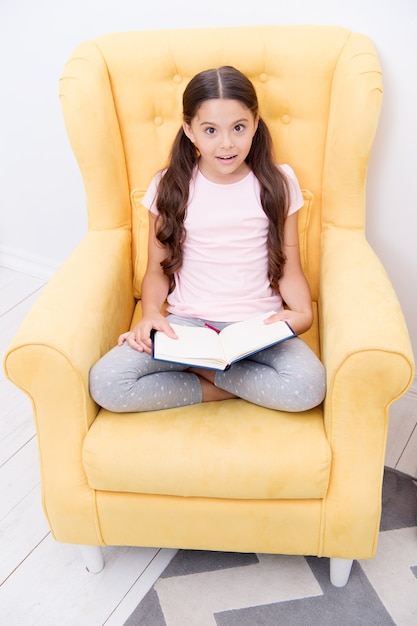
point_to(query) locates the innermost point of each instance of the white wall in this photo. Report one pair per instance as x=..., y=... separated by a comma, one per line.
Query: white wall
x=42, y=216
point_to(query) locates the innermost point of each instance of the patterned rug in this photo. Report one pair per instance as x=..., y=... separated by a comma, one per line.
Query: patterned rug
x=201, y=588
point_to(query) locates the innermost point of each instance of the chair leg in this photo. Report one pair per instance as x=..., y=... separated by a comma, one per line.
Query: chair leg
x=93, y=558
x=339, y=571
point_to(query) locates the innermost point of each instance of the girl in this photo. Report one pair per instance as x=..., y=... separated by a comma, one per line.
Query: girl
x=223, y=247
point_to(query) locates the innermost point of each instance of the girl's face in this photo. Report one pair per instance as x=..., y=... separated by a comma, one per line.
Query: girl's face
x=222, y=130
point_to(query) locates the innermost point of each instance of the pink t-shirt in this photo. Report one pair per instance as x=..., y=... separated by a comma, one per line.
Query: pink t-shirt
x=224, y=274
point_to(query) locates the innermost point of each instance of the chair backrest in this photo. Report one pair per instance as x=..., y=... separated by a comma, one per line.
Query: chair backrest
x=319, y=89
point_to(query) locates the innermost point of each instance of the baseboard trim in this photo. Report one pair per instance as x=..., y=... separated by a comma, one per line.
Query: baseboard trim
x=33, y=265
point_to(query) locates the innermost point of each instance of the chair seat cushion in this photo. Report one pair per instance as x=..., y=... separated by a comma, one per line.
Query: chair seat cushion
x=230, y=449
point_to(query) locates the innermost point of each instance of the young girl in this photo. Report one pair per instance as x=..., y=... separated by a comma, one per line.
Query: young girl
x=223, y=247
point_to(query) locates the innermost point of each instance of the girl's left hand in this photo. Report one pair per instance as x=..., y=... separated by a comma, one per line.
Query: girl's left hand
x=298, y=320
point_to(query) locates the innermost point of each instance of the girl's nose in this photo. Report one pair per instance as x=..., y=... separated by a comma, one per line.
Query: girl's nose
x=227, y=141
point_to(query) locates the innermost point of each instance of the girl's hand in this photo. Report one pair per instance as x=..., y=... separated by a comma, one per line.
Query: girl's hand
x=139, y=338
x=298, y=320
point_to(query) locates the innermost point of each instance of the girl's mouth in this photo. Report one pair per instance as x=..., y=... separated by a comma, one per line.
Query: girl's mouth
x=227, y=158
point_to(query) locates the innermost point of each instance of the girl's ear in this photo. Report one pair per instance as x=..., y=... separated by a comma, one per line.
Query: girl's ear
x=188, y=132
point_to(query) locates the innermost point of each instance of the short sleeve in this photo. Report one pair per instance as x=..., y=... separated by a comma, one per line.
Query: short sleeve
x=149, y=199
x=296, y=196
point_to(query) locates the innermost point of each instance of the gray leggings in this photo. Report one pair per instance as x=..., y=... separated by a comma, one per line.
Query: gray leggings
x=286, y=377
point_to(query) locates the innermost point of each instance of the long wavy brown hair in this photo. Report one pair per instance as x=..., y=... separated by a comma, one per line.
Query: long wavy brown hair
x=172, y=196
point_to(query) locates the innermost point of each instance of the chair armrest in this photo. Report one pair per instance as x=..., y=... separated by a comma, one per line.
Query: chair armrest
x=368, y=358
x=76, y=319
x=78, y=316
x=361, y=321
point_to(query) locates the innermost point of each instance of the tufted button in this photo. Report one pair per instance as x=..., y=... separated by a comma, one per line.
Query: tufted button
x=177, y=79
x=285, y=119
x=158, y=121
x=263, y=77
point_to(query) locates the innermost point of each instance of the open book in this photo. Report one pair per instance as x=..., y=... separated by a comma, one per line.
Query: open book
x=204, y=346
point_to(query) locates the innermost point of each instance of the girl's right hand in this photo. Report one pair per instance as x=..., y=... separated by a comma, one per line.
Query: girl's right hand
x=139, y=338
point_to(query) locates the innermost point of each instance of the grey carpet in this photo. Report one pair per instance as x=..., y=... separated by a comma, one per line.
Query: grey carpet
x=197, y=585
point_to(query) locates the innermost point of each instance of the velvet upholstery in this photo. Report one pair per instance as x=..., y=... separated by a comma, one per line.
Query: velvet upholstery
x=226, y=475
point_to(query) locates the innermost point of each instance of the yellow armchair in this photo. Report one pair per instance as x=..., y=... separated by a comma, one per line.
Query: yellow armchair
x=227, y=475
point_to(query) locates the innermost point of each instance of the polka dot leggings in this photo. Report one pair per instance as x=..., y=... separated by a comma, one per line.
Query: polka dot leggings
x=286, y=377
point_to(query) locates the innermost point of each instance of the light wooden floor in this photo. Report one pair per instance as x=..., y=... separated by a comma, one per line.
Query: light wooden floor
x=42, y=582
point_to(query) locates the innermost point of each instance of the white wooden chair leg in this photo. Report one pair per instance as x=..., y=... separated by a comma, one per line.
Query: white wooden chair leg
x=93, y=558
x=339, y=571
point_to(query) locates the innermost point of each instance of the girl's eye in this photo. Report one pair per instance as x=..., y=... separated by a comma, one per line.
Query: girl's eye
x=239, y=128
x=210, y=130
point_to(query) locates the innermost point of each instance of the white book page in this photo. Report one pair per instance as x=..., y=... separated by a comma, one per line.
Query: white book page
x=194, y=342
x=252, y=335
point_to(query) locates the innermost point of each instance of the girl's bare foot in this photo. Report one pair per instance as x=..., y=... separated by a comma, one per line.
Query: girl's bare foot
x=211, y=393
